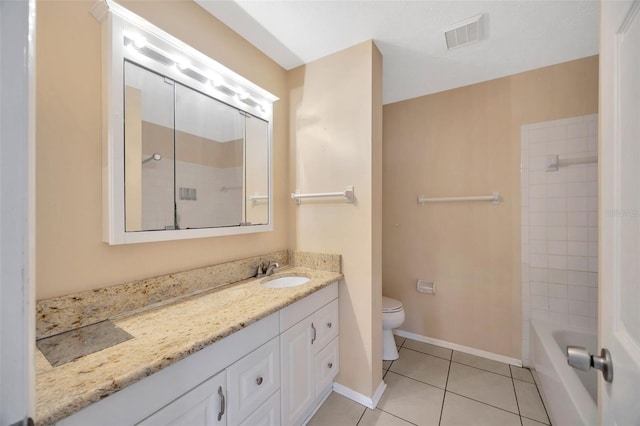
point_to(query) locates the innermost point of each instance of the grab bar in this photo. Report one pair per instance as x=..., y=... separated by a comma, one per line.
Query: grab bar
x=494, y=198
x=348, y=194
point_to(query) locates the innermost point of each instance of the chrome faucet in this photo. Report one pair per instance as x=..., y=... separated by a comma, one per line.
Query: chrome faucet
x=272, y=266
x=259, y=270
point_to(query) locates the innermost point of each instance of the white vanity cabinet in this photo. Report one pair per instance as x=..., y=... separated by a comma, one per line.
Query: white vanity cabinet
x=273, y=372
x=309, y=351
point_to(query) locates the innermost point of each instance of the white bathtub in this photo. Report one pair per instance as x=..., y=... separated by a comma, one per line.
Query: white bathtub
x=570, y=395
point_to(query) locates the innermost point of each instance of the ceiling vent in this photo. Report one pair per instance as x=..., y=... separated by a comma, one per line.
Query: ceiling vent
x=463, y=33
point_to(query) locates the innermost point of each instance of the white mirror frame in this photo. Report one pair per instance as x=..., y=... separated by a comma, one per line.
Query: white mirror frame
x=119, y=28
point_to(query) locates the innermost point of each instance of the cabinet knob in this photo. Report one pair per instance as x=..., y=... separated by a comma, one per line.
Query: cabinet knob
x=329, y=324
x=259, y=380
x=330, y=365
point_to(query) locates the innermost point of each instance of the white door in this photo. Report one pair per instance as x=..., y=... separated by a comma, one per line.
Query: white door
x=17, y=315
x=619, y=328
x=298, y=390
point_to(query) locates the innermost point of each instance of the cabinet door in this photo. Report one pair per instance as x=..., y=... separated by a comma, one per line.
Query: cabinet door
x=326, y=366
x=252, y=380
x=298, y=391
x=204, y=405
x=268, y=414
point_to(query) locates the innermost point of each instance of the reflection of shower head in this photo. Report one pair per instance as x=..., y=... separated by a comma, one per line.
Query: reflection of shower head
x=155, y=156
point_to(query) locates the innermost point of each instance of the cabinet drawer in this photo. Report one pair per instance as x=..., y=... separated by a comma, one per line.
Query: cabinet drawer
x=252, y=380
x=325, y=322
x=327, y=365
x=268, y=414
x=202, y=406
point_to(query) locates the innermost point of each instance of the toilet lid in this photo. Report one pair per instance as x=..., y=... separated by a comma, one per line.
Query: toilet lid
x=391, y=305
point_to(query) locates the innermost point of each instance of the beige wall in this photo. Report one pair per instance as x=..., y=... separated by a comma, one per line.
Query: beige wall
x=70, y=253
x=335, y=138
x=467, y=142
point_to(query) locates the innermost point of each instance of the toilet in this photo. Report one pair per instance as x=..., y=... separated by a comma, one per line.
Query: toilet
x=392, y=317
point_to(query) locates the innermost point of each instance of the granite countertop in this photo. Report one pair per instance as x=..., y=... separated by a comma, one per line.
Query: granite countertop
x=161, y=336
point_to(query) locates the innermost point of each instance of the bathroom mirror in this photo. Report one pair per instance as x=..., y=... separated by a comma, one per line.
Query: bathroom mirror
x=188, y=141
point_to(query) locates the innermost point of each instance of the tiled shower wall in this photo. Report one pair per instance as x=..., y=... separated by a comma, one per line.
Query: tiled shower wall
x=559, y=224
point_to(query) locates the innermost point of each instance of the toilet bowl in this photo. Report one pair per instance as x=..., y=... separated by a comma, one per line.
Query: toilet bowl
x=392, y=317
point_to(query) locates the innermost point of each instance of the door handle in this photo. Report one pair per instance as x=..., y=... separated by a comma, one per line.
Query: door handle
x=580, y=358
x=222, y=403
x=313, y=338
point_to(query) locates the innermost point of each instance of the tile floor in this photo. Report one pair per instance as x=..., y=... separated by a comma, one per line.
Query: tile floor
x=431, y=385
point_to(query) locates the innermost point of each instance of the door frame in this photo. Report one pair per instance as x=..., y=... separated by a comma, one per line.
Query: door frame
x=17, y=211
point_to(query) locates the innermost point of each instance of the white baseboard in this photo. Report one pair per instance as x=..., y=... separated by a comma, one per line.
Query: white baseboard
x=460, y=348
x=360, y=398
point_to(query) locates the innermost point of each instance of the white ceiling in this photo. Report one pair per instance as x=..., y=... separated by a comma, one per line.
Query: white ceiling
x=520, y=35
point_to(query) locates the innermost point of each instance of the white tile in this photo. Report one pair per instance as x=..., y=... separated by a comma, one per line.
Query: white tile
x=538, y=246
x=559, y=318
x=558, y=305
x=557, y=262
x=481, y=363
x=558, y=291
x=592, y=204
x=592, y=219
x=559, y=176
x=557, y=233
x=577, y=263
x=538, y=233
x=578, y=293
x=593, y=264
x=538, y=219
x=576, y=146
x=578, y=248
x=577, y=233
x=592, y=189
x=524, y=253
x=537, y=274
x=592, y=173
x=539, y=314
x=422, y=367
x=537, y=177
x=593, y=323
x=483, y=386
x=524, y=217
x=578, y=308
x=557, y=247
x=539, y=289
x=592, y=279
x=411, y=400
x=556, y=204
x=524, y=197
x=593, y=294
x=537, y=135
x=577, y=189
x=529, y=422
x=557, y=276
x=593, y=249
x=592, y=234
x=577, y=218
x=427, y=348
x=538, y=260
x=378, y=418
x=556, y=190
x=577, y=130
x=536, y=204
x=557, y=133
x=524, y=272
x=458, y=410
x=557, y=219
x=337, y=409
x=529, y=401
x=577, y=174
x=539, y=302
x=577, y=278
x=593, y=310
x=577, y=204
x=537, y=191
x=592, y=143
x=520, y=373
x=525, y=235
x=579, y=321
x=537, y=162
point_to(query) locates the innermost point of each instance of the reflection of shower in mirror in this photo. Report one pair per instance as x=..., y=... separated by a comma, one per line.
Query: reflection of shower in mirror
x=155, y=156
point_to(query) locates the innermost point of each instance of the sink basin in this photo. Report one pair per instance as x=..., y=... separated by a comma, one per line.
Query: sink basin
x=284, y=282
